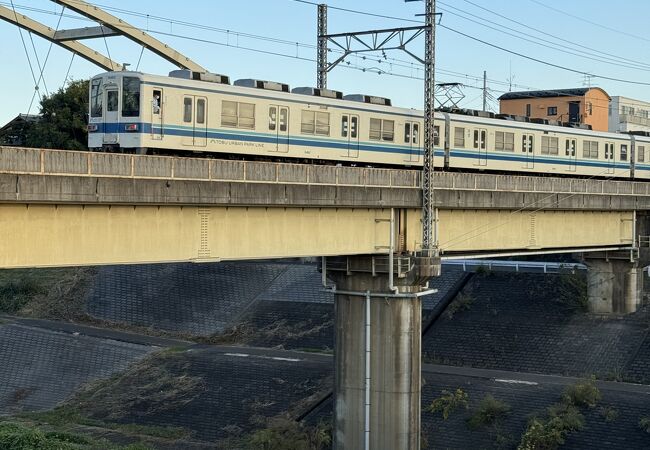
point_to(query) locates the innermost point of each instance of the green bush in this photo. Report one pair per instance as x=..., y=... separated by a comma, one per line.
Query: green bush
x=488, y=412
x=610, y=414
x=462, y=302
x=283, y=434
x=14, y=436
x=583, y=393
x=549, y=433
x=15, y=293
x=644, y=424
x=448, y=402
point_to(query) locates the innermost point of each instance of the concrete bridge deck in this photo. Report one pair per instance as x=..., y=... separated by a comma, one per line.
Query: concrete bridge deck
x=77, y=208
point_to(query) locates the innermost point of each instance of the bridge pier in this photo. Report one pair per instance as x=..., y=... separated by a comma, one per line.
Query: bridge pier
x=614, y=286
x=378, y=351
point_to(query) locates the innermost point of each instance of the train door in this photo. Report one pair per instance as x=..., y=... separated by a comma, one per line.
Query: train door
x=195, y=121
x=480, y=145
x=157, y=121
x=571, y=153
x=412, y=139
x=279, y=125
x=528, y=148
x=609, y=157
x=350, y=131
x=112, y=117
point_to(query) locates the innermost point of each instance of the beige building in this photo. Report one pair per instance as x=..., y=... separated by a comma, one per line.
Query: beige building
x=587, y=106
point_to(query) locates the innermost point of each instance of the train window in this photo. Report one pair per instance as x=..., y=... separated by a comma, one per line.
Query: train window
x=284, y=119
x=416, y=133
x=112, y=100
x=483, y=139
x=407, y=132
x=549, y=145
x=436, y=135
x=344, y=126
x=640, y=152
x=315, y=122
x=590, y=149
x=354, y=127
x=200, y=110
x=273, y=117
x=459, y=137
x=475, y=138
x=322, y=123
x=570, y=147
x=130, y=97
x=96, y=104
x=382, y=130
x=187, y=110
x=504, y=141
x=246, y=115
x=156, y=103
x=623, y=152
x=388, y=130
x=375, y=129
x=240, y=115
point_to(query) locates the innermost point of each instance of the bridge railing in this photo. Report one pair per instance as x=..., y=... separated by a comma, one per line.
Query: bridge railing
x=80, y=163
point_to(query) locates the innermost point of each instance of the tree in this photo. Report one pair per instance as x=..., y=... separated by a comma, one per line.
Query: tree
x=64, y=119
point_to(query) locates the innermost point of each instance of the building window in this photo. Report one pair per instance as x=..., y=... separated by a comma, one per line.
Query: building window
x=527, y=109
x=459, y=137
x=640, y=151
x=643, y=113
x=628, y=110
x=551, y=111
x=504, y=141
x=550, y=145
x=590, y=149
x=382, y=130
x=238, y=115
x=590, y=108
x=623, y=152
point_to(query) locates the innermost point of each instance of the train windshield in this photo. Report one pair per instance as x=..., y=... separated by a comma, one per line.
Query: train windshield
x=96, y=106
x=130, y=97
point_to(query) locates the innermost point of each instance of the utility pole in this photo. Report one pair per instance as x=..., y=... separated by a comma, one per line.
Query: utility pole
x=321, y=74
x=429, y=227
x=484, y=90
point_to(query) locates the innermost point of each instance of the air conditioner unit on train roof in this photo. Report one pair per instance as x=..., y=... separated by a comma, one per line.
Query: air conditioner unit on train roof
x=317, y=92
x=187, y=74
x=261, y=84
x=368, y=99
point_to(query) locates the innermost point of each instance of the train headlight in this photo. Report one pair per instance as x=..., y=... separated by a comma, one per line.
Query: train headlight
x=131, y=127
x=91, y=128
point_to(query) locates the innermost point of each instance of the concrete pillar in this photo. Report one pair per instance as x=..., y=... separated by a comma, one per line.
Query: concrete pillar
x=395, y=369
x=614, y=286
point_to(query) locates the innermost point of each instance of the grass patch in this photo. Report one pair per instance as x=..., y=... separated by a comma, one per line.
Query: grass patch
x=572, y=292
x=644, y=424
x=550, y=432
x=490, y=411
x=448, y=402
x=20, y=436
x=609, y=413
x=284, y=434
x=45, y=293
x=462, y=302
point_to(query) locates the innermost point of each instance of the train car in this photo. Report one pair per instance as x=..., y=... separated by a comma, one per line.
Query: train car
x=193, y=112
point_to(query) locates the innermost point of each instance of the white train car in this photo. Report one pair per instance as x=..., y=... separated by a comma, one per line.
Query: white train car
x=203, y=113
x=135, y=111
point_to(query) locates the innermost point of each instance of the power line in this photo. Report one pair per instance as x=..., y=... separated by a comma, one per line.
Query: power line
x=544, y=42
x=582, y=19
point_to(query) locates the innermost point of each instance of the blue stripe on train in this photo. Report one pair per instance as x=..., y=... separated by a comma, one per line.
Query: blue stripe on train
x=148, y=128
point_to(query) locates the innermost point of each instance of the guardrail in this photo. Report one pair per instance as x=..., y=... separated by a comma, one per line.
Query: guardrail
x=16, y=160
x=79, y=163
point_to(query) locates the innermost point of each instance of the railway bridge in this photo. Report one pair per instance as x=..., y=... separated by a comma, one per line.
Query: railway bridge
x=64, y=208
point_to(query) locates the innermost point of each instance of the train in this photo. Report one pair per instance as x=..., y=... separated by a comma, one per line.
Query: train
x=203, y=113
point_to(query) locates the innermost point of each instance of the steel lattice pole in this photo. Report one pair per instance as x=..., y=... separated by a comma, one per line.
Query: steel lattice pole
x=429, y=241
x=321, y=76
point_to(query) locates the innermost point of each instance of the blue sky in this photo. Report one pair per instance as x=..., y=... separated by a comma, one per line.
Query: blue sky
x=615, y=35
